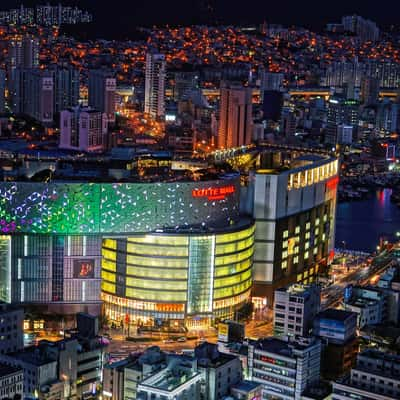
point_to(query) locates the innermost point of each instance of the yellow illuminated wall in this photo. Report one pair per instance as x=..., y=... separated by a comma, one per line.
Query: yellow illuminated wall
x=153, y=271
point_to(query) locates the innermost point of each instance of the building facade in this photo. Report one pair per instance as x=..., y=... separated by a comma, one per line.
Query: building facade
x=235, y=116
x=102, y=87
x=295, y=211
x=187, y=278
x=284, y=369
x=154, y=101
x=83, y=129
x=295, y=308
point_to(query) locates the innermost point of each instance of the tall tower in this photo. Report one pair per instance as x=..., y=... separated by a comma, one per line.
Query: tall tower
x=235, y=120
x=23, y=54
x=154, y=98
x=66, y=88
x=102, y=87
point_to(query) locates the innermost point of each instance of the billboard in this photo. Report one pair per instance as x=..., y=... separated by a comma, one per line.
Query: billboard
x=101, y=208
x=83, y=269
x=223, y=332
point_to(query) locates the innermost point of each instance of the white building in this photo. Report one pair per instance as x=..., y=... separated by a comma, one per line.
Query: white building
x=294, y=204
x=83, y=129
x=295, y=308
x=154, y=101
x=180, y=380
x=11, y=382
x=284, y=368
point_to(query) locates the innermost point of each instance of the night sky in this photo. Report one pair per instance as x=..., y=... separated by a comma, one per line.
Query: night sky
x=118, y=18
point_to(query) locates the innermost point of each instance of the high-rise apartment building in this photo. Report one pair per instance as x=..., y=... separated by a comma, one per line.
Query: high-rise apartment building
x=102, y=87
x=295, y=308
x=34, y=94
x=2, y=90
x=235, y=116
x=154, y=101
x=365, y=29
x=369, y=91
x=83, y=129
x=23, y=52
x=271, y=81
x=66, y=88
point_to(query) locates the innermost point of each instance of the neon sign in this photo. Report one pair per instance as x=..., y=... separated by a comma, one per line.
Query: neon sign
x=217, y=193
x=332, y=183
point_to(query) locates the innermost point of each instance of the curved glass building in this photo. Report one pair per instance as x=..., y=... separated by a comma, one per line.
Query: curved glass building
x=187, y=278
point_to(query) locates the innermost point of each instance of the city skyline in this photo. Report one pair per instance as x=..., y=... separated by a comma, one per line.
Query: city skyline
x=309, y=14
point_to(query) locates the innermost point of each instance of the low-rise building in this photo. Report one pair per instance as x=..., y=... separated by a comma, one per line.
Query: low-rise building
x=180, y=380
x=219, y=371
x=295, y=308
x=368, y=303
x=247, y=390
x=285, y=368
x=376, y=376
x=337, y=331
x=121, y=378
x=11, y=382
x=11, y=328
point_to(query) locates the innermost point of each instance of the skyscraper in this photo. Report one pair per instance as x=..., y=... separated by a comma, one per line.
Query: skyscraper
x=23, y=53
x=154, y=100
x=369, y=90
x=34, y=94
x=66, y=88
x=83, y=129
x=340, y=111
x=102, y=86
x=2, y=89
x=235, y=120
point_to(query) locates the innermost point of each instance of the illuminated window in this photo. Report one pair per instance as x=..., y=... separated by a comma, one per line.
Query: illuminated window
x=306, y=255
x=285, y=234
x=299, y=276
x=284, y=254
x=235, y=236
x=108, y=276
x=297, y=230
x=108, y=287
x=315, y=250
x=306, y=245
x=307, y=236
x=284, y=264
x=155, y=295
x=108, y=265
x=308, y=224
x=296, y=260
x=285, y=244
x=109, y=254
x=156, y=284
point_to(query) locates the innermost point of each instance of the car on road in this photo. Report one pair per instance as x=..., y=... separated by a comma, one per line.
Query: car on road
x=168, y=341
x=181, y=339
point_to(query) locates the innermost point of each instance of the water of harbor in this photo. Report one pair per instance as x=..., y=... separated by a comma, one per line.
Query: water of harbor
x=361, y=224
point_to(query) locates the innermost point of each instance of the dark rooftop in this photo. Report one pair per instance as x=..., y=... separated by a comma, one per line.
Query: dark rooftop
x=339, y=315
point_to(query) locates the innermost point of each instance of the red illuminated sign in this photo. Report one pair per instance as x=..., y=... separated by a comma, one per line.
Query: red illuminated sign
x=217, y=193
x=332, y=183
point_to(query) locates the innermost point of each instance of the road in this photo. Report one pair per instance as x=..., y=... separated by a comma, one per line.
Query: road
x=356, y=272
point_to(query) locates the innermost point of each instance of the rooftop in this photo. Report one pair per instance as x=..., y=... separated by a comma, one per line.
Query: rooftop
x=283, y=347
x=338, y=315
x=8, y=370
